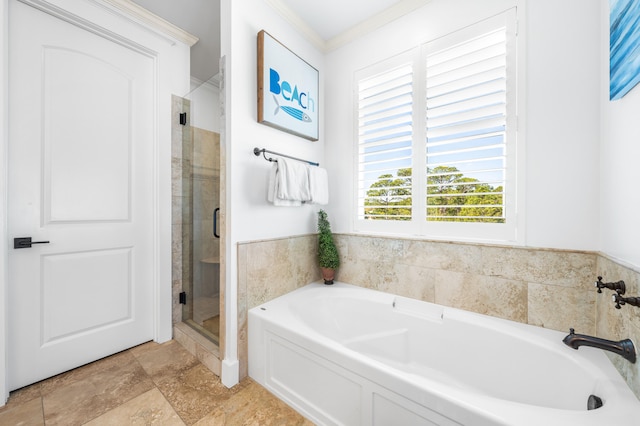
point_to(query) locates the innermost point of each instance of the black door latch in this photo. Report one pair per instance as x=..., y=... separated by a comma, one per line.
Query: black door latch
x=25, y=242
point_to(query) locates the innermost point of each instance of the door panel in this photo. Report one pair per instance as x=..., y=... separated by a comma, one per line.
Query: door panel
x=99, y=300
x=80, y=176
x=103, y=159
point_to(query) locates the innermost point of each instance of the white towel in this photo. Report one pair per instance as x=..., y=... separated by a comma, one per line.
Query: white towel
x=292, y=181
x=273, y=190
x=318, y=185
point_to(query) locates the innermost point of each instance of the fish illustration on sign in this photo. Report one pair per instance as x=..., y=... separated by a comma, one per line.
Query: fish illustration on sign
x=294, y=112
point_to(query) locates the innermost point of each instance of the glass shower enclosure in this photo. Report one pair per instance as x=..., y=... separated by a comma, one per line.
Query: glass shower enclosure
x=200, y=213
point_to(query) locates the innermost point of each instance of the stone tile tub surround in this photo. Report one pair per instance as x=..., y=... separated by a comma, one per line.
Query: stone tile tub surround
x=543, y=287
x=547, y=288
x=616, y=324
x=268, y=269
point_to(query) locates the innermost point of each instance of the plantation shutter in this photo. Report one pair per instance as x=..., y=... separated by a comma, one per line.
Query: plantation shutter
x=436, y=137
x=385, y=107
x=466, y=114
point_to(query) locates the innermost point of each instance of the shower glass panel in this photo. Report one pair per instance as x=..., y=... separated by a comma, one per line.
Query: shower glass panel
x=200, y=212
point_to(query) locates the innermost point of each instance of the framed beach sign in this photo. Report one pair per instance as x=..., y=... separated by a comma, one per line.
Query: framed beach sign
x=287, y=89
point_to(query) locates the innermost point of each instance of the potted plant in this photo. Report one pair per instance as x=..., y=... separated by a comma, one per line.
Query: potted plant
x=327, y=252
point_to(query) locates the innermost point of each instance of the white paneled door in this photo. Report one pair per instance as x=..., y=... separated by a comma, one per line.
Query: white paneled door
x=81, y=132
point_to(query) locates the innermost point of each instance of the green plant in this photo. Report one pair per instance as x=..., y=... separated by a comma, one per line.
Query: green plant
x=327, y=252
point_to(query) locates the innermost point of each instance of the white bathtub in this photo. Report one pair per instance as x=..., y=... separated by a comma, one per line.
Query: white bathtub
x=351, y=356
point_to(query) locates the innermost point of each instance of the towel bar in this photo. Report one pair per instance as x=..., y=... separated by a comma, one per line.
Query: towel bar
x=258, y=151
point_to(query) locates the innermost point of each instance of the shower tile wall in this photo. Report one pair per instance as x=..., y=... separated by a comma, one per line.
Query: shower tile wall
x=547, y=288
x=205, y=184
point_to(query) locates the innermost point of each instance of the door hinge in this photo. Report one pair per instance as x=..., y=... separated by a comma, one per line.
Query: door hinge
x=183, y=298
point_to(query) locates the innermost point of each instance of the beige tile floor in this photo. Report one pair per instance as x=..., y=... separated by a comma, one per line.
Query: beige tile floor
x=159, y=384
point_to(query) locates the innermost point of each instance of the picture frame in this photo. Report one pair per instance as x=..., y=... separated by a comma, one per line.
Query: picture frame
x=288, y=87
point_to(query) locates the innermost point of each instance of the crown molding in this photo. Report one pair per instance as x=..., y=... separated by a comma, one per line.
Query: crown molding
x=54, y=8
x=297, y=22
x=377, y=21
x=142, y=15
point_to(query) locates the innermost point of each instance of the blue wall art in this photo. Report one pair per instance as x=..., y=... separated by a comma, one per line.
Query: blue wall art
x=624, y=47
x=287, y=89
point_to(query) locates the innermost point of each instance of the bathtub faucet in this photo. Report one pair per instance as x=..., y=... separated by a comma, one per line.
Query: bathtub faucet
x=619, y=301
x=624, y=348
x=617, y=286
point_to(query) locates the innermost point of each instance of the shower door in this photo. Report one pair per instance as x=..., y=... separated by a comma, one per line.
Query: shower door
x=200, y=224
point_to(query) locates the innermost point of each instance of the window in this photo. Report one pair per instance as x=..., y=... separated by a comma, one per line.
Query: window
x=385, y=150
x=436, y=137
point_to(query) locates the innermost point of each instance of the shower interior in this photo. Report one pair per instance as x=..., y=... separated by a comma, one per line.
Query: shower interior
x=200, y=213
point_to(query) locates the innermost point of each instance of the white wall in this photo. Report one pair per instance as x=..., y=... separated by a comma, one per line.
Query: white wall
x=562, y=121
x=619, y=201
x=249, y=216
x=561, y=105
x=253, y=216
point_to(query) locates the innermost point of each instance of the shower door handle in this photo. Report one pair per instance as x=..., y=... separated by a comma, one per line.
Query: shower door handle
x=215, y=222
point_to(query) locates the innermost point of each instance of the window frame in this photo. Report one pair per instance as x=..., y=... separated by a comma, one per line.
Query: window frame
x=510, y=232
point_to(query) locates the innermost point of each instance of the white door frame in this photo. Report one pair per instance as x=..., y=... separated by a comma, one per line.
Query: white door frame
x=169, y=47
x=4, y=24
